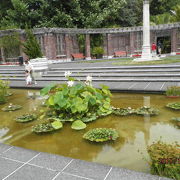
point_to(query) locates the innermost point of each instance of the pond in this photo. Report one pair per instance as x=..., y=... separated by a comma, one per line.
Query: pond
x=136, y=132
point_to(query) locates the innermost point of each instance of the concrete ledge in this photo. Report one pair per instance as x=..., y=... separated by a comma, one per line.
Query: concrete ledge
x=43, y=166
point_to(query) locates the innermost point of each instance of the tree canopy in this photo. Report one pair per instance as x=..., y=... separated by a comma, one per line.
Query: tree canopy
x=84, y=14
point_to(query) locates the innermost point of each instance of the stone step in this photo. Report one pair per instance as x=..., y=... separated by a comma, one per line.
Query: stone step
x=115, y=75
x=110, y=79
x=117, y=67
x=117, y=71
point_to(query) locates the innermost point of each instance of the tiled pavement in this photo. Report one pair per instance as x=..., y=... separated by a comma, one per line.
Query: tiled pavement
x=22, y=164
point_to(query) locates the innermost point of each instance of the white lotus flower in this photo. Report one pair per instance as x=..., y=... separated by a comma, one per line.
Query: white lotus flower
x=70, y=83
x=89, y=78
x=67, y=73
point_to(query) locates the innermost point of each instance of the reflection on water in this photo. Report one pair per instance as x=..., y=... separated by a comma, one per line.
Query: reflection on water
x=136, y=132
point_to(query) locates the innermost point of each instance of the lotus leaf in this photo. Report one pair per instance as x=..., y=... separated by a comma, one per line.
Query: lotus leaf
x=175, y=105
x=78, y=125
x=89, y=119
x=57, y=125
x=12, y=107
x=101, y=134
x=26, y=118
x=147, y=111
x=123, y=111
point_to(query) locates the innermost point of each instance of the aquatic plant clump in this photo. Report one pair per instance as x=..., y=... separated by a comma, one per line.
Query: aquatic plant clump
x=26, y=118
x=177, y=120
x=165, y=159
x=78, y=101
x=175, y=105
x=147, y=111
x=12, y=107
x=101, y=135
x=122, y=111
x=173, y=91
x=47, y=127
x=4, y=86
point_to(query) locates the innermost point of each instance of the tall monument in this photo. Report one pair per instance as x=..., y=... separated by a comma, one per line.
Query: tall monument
x=146, y=48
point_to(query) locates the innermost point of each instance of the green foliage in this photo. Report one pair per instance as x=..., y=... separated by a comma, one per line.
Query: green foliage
x=165, y=159
x=97, y=51
x=173, y=91
x=147, y=111
x=161, y=19
x=177, y=121
x=43, y=128
x=11, y=107
x=78, y=102
x=174, y=105
x=57, y=124
x=78, y=125
x=101, y=134
x=10, y=44
x=31, y=46
x=26, y=118
x=123, y=111
x=4, y=86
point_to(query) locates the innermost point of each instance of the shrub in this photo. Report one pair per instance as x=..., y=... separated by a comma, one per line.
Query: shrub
x=31, y=46
x=165, y=159
x=147, y=111
x=173, y=91
x=26, y=118
x=101, y=134
x=4, y=86
x=97, y=51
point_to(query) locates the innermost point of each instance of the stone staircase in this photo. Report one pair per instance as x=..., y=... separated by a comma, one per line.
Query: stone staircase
x=131, y=78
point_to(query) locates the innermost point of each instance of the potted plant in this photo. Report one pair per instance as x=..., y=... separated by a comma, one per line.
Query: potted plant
x=98, y=52
x=173, y=91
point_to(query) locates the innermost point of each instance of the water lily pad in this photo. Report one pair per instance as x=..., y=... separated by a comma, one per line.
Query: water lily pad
x=101, y=134
x=147, y=111
x=11, y=107
x=43, y=128
x=26, y=118
x=57, y=125
x=175, y=105
x=123, y=111
x=78, y=125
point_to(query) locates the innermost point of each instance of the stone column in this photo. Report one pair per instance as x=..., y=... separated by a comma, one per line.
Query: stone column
x=173, y=41
x=132, y=40
x=109, y=46
x=146, y=49
x=88, y=47
x=2, y=54
x=50, y=46
x=68, y=46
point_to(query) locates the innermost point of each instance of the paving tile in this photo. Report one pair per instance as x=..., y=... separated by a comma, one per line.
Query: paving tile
x=64, y=176
x=51, y=161
x=87, y=169
x=4, y=147
x=29, y=172
x=7, y=167
x=20, y=154
x=155, y=86
x=125, y=174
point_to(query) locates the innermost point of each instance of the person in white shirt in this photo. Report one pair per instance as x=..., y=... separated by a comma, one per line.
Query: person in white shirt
x=29, y=68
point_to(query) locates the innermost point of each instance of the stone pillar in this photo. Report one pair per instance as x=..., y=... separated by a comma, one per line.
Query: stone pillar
x=68, y=46
x=50, y=46
x=2, y=54
x=88, y=47
x=109, y=46
x=173, y=41
x=132, y=40
x=146, y=49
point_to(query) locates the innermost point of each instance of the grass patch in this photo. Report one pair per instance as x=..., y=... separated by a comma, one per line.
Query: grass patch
x=166, y=60
x=107, y=60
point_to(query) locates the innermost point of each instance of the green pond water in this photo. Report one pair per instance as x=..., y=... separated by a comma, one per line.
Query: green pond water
x=136, y=132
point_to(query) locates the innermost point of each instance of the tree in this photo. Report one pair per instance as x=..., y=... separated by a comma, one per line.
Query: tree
x=31, y=46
